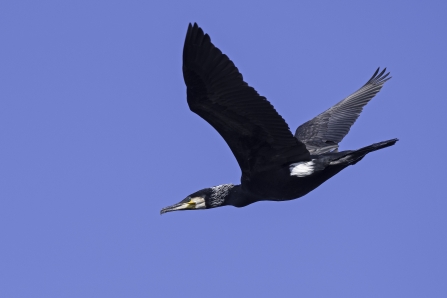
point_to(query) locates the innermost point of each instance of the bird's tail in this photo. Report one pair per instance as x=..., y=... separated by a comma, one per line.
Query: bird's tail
x=355, y=156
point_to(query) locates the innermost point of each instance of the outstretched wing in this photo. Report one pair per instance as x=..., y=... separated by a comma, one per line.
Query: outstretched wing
x=257, y=135
x=323, y=133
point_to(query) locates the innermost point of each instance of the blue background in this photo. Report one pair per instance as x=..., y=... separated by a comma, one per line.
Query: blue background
x=96, y=137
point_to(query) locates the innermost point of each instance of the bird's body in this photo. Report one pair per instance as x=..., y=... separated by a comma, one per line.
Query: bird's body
x=275, y=165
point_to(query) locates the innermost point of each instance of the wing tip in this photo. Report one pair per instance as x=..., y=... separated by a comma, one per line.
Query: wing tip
x=196, y=35
x=379, y=78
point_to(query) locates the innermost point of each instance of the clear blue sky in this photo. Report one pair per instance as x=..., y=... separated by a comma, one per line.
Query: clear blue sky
x=96, y=137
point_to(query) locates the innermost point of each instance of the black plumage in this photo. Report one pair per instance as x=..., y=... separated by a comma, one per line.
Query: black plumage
x=275, y=164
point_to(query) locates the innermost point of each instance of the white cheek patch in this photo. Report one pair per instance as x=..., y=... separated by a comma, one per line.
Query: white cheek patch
x=200, y=203
x=302, y=169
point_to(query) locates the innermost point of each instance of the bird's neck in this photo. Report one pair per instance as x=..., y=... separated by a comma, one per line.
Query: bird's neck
x=239, y=197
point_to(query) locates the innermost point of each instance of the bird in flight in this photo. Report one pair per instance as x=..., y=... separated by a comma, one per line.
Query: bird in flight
x=276, y=165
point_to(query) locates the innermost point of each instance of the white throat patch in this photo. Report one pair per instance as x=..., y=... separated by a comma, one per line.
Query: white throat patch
x=302, y=168
x=200, y=202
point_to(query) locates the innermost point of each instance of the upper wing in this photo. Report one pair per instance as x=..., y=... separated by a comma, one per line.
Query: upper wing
x=323, y=133
x=256, y=134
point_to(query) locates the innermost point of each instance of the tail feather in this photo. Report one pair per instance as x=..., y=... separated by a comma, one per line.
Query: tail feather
x=376, y=146
x=355, y=156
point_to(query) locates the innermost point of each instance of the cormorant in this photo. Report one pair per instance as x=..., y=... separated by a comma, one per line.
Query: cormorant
x=275, y=164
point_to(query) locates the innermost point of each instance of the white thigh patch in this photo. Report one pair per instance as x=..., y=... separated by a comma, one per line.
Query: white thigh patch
x=302, y=169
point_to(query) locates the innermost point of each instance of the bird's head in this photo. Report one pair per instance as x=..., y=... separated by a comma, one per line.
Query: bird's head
x=194, y=201
x=203, y=199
